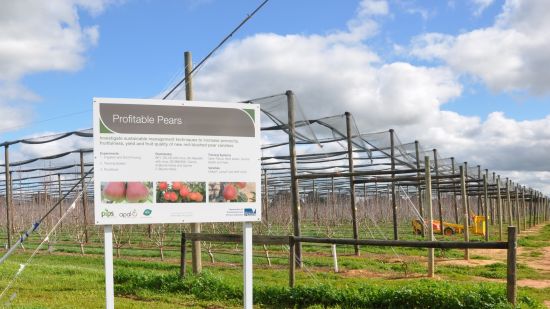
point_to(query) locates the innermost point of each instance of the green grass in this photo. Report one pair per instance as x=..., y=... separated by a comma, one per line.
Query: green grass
x=65, y=279
x=537, y=240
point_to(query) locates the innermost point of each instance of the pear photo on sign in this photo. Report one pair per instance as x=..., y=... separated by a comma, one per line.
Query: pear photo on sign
x=127, y=192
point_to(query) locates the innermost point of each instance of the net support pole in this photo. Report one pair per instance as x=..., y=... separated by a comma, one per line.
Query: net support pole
x=429, y=205
x=509, y=218
x=464, y=194
x=59, y=195
x=84, y=198
x=294, y=190
x=196, y=257
x=499, y=209
x=479, y=200
x=486, y=203
x=439, y=207
x=524, y=208
x=418, y=189
x=511, y=279
x=393, y=199
x=351, y=182
x=455, y=204
x=266, y=198
x=516, y=209
x=8, y=192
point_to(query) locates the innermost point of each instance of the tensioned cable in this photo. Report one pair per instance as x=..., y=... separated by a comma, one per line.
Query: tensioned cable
x=248, y=17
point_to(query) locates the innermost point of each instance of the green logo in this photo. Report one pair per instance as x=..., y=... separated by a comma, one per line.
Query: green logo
x=147, y=212
x=107, y=213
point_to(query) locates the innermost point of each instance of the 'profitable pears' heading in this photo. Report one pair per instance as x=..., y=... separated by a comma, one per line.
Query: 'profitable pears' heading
x=146, y=119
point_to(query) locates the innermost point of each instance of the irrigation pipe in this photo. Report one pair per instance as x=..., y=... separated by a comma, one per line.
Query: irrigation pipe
x=35, y=225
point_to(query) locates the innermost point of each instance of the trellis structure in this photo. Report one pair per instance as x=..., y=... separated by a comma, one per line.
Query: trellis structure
x=321, y=171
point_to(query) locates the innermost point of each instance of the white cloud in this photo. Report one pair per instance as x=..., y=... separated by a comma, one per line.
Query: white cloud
x=509, y=56
x=334, y=73
x=37, y=36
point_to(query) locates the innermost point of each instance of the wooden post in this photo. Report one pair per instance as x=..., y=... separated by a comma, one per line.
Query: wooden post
x=266, y=198
x=467, y=199
x=59, y=198
x=486, y=202
x=393, y=200
x=455, y=204
x=429, y=222
x=516, y=203
x=196, y=254
x=511, y=280
x=8, y=192
x=524, y=207
x=493, y=203
x=509, y=204
x=291, y=262
x=294, y=189
x=418, y=189
x=351, y=181
x=479, y=202
x=332, y=199
x=499, y=209
x=183, y=253
x=84, y=197
x=489, y=206
x=441, y=224
x=465, y=209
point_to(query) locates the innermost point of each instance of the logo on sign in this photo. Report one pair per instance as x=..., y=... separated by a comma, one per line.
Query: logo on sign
x=129, y=214
x=250, y=211
x=147, y=212
x=107, y=213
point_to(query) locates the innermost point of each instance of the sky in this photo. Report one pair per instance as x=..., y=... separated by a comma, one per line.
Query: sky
x=468, y=77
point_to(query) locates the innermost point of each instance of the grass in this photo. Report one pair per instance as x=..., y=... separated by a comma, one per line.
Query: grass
x=65, y=279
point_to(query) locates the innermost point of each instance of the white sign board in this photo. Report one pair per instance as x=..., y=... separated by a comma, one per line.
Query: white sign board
x=159, y=161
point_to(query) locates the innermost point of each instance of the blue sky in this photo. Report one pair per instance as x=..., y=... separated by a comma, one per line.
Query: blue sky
x=134, y=49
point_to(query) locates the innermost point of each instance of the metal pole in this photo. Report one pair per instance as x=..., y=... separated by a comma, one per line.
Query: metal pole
x=393, y=201
x=8, y=192
x=465, y=209
x=109, y=280
x=295, y=193
x=428, y=201
x=441, y=223
x=351, y=181
x=196, y=255
x=247, y=265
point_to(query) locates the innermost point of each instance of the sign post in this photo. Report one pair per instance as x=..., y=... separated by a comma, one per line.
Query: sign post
x=159, y=161
x=109, y=279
